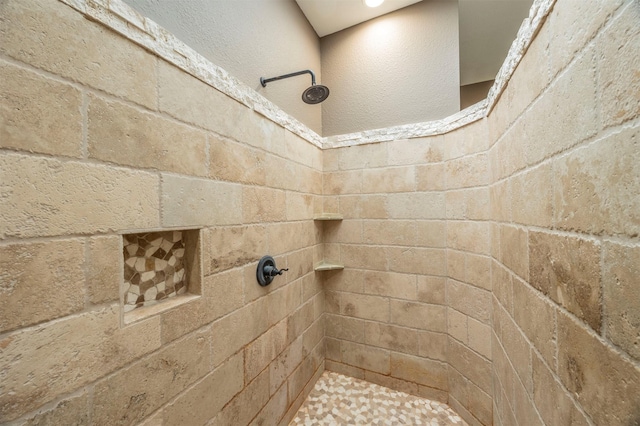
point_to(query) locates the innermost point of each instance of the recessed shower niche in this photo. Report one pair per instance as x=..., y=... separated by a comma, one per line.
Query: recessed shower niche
x=159, y=268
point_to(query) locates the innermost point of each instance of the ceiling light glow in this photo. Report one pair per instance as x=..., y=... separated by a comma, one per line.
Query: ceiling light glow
x=373, y=3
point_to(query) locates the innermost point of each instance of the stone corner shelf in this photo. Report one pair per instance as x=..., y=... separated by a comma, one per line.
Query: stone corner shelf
x=328, y=266
x=328, y=216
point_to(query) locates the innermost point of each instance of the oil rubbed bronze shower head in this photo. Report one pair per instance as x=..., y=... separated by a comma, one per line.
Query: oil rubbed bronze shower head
x=315, y=94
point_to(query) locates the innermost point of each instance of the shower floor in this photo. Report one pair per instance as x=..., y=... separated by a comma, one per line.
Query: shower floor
x=343, y=400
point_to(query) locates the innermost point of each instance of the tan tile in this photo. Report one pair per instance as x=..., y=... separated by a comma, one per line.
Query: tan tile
x=416, y=205
x=431, y=177
x=299, y=206
x=419, y=370
x=104, y=270
x=228, y=247
x=45, y=198
x=122, y=134
x=338, y=183
x=129, y=395
x=468, y=171
x=284, y=365
x=345, y=328
x=389, y=180
x=273, y=410
x=431, y=289
x=470, y=300
x=458, y=325
x=500, y=195
x=263, y=350
x=41, y=281
x=348, y=370
x=502, y=285
x=592, y=191
x=365, y=357
x=481, y=405
x=390, y=284
x=431, y=233
x=606, y=385
x=364, y=257
x=567, y=269
x=363, y=156
x=415, y=151
x=388, y=232
x=621, y=295
x=30, y=37
x=261, y=204
x=344, y=231
x=478, y=271
x=470, y=364
x=514, y=248
x=391, y=382
x=73, y=410
x=364, y=306
x=246, y=404
x=432, y=345
x=39, y=114
x=456, y=204
x=418, y=315
x=386, y=336
x=457, y=265
x=480, y=337
x=235, y=162
x=416, y=260
x=207, y=397
x=469, y=236
x=346, y=280
x=525, y=208
x=58, y=357
x=195, y=202
x=364, y=206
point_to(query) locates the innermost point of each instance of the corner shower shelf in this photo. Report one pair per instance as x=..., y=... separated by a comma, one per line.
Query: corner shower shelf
x=328, y=266
x=328, y=216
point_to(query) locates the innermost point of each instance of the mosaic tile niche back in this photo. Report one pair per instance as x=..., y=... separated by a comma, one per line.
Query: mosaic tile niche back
x=154, y=268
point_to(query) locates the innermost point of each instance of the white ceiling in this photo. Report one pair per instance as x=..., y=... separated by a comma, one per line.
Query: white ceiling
x=487, y=27
x=330, y=16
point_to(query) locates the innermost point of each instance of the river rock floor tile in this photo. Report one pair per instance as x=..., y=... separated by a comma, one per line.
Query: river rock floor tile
x=343, y=400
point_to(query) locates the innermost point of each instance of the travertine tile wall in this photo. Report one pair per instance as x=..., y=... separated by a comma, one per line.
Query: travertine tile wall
x=534, y=212
x=101, y=138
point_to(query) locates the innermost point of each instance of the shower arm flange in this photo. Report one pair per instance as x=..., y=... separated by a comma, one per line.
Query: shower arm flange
x=264, y=81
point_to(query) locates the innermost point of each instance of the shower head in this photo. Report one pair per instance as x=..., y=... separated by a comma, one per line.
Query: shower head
x=313, y=95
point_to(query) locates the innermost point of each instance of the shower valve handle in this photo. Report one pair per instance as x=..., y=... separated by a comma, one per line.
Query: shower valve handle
x=272, y=271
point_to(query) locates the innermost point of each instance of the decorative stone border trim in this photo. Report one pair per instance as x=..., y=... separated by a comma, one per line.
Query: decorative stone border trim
x=121, y=18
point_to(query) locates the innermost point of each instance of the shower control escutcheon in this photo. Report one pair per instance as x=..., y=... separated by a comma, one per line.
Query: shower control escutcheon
x=267, y=270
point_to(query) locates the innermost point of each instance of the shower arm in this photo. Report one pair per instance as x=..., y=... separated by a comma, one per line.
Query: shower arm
x=264, y=81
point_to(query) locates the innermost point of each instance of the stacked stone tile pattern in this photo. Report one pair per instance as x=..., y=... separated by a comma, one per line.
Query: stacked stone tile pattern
x=339, y=399
x=153, y=268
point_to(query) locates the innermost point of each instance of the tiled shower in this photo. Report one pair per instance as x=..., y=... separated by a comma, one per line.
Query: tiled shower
x=488, y=261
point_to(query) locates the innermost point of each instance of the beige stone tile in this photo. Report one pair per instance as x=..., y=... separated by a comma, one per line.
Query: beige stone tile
x=364, y=257
x=416, y=260
x=29, y=36
x=299, y=206
x=618, y=47
x=121, y=134
x=593, y=191
x=569, y=34
x=620, y=296
x=302, y=376
x=567, y=269
x=468, y=171
x=523, y=407
x=500, y=196
x=129, y=395
x=284, y=365
x=300, y=320
x=104, y=270
x=478, y=203
x=416, y=205
x=246, y=404
x=346, y=280
x=533, y=210
x=41, y=281
x=365, y=357
x=345, y=369
x=469, y=236
x=339, y=183
x=389, y=232
x=469, y=300
x=204, y=400
x=606, y=385
x=69, y=411
x=551, y=400
x=232, y=332
x=273, y=410
x=480, y=337
x=283, y=301
x=576, y=90
x=418, y=315
x=481, y=405
x=470, y=365
x=457, y=265
x=301, y=151
x=314, y=336
x=48, y=197
x=235, y=162
x=260, y=204
x=514, y=248
x=390, y=284
x=514, y=343
x=288, y=236
x=364, y=306
x=39, y=114
x=344, y=231
x=56, y=358
x=431, y=233
x=391, y=382
x=458, y=325
x=431, y=177
x=432, y=345
x=228, y=247
x=364, y=206
x=389, y=179
x=346, y=328
x=496, y=250
x=502, y=285
x=196, y=202
x=386, y=336
x=363, y=156
x=332, y=349
x=416, y=151
x=478, y=271
x=419, y=370
x=330, y=159
x=431, y=289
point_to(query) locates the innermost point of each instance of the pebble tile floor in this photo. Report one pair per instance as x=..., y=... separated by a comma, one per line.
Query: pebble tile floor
x=342, y=400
